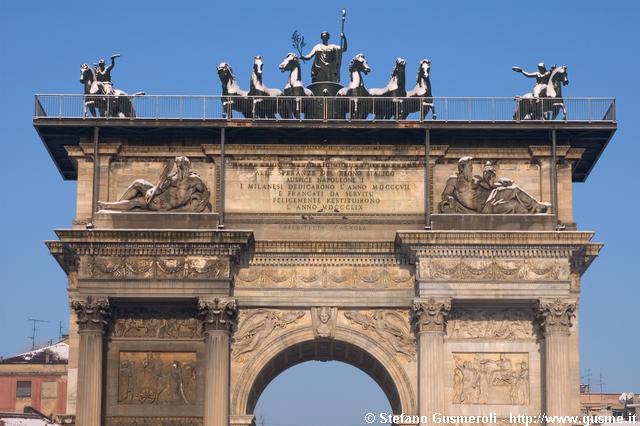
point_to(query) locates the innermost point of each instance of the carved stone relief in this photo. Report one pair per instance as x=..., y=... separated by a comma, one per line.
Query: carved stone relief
x=255, y=326
x=92, y=314
x=389, y=327
x=157, y=378
x=506, y=324
x=324, y=321
x=555, y=315
x=494, y=269
x=155, y=323
x=491, y=378
x=325, y=277
x=127, y=267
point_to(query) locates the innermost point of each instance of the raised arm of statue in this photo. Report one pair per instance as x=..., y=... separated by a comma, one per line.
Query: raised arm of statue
x=310, y=55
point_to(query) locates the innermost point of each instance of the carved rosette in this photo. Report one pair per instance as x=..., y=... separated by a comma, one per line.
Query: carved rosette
x=218, y=313
x=93, y=314
x=555, y=315
x=430, y=314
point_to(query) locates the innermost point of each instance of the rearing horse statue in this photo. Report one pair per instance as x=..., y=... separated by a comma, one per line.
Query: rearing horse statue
x=395, y=88
x=237, y=99
x=359, y=108
x=264, y=108
x=291, y=108
x=111, y=103
x=422, y=90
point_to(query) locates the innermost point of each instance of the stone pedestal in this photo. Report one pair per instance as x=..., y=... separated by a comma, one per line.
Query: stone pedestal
x=93, y=315
x=429, y=316
x=218, y=316
x=556, y=317
x=105, y=219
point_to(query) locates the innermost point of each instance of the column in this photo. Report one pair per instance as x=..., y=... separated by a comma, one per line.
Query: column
x=555, y=317
x=92, y=317
x=217, y=316
x=429, y=316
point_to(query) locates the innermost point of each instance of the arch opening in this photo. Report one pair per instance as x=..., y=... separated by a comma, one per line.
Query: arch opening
x=325, y=350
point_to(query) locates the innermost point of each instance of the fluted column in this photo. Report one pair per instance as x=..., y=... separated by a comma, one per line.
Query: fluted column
x=429, y=316
x=217, y=316
x=92, y=317
x=555, y=317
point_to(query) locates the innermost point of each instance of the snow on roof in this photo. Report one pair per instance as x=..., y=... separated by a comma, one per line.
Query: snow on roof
x=24, y=422
x=58, y=354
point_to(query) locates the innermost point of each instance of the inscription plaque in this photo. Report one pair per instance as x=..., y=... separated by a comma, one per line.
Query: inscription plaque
x=325, y=187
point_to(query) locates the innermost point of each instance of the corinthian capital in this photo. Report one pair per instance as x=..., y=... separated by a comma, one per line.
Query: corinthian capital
x=555, y=315
x=93, y=314
x=218, y=313
x=430, y=314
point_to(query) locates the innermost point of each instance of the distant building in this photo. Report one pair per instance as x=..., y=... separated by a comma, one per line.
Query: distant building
x=36, y=379
x=604, y=404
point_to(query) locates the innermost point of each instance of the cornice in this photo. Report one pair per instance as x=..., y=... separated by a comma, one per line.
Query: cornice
x=490, y=239
x=122, y=236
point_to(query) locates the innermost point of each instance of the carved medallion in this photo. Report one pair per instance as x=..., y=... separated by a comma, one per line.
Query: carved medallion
x=491, y=378
x=324, y=321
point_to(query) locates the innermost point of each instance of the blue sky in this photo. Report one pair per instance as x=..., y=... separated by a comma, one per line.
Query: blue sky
x=173, y=48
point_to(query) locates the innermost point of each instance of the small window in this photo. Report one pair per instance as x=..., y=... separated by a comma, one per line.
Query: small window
x=23, y=390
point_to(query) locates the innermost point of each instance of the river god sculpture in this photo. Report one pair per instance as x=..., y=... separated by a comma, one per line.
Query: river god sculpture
x=466, y=193
x=180, y=191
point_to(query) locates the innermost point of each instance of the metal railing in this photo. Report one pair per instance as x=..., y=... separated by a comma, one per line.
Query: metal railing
x=325, y=109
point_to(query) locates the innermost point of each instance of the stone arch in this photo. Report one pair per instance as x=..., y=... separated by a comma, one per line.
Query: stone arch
x=348, y=345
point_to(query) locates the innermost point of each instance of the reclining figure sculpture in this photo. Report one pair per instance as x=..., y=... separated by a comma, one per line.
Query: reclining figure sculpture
x=473, y=194
x=180, y=191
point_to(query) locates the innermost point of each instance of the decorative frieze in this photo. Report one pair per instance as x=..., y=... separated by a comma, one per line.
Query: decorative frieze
x=555, y=315
x=255, y=326
x=325, y=277
x=462, y=268
x=389, y=327
x=92, y=314
x=430, y=314
x=134, y=267
x=157, y=378
x=491, y=378
x=218, y=313
x=488, y=323
x=324, y=321
x=155, y=324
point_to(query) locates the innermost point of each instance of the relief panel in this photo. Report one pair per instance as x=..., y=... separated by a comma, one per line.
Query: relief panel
x=157, y=378
x=502, y=324
x=491, y=378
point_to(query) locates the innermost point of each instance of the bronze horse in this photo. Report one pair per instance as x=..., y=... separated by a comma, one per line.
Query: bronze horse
x=386, y=109
x=359, y=108
x=263, y=106
x=550, y=102
x=291, y=108
x=422, y=91
x=234, y=98
x=108, y=102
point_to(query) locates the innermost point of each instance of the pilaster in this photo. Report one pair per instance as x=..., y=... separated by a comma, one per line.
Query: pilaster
x=430, y=319
x=218, y=319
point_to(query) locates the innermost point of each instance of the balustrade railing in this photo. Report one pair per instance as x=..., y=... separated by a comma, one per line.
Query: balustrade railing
x=326, y=109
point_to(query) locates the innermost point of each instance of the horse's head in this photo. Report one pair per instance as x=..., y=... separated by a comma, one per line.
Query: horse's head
x=561, y=75
x=291, y=62
x=423, y=69
x=399, y=67
x=359, y=63
x=86, y=74
x=225, y=72
x=257, y=65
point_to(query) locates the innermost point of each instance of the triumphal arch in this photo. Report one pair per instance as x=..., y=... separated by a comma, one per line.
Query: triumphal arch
x=219, y=240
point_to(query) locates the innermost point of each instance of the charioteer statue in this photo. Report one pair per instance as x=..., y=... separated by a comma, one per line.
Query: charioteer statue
x=328, y=58
x=541, y=76
x=103, y=73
